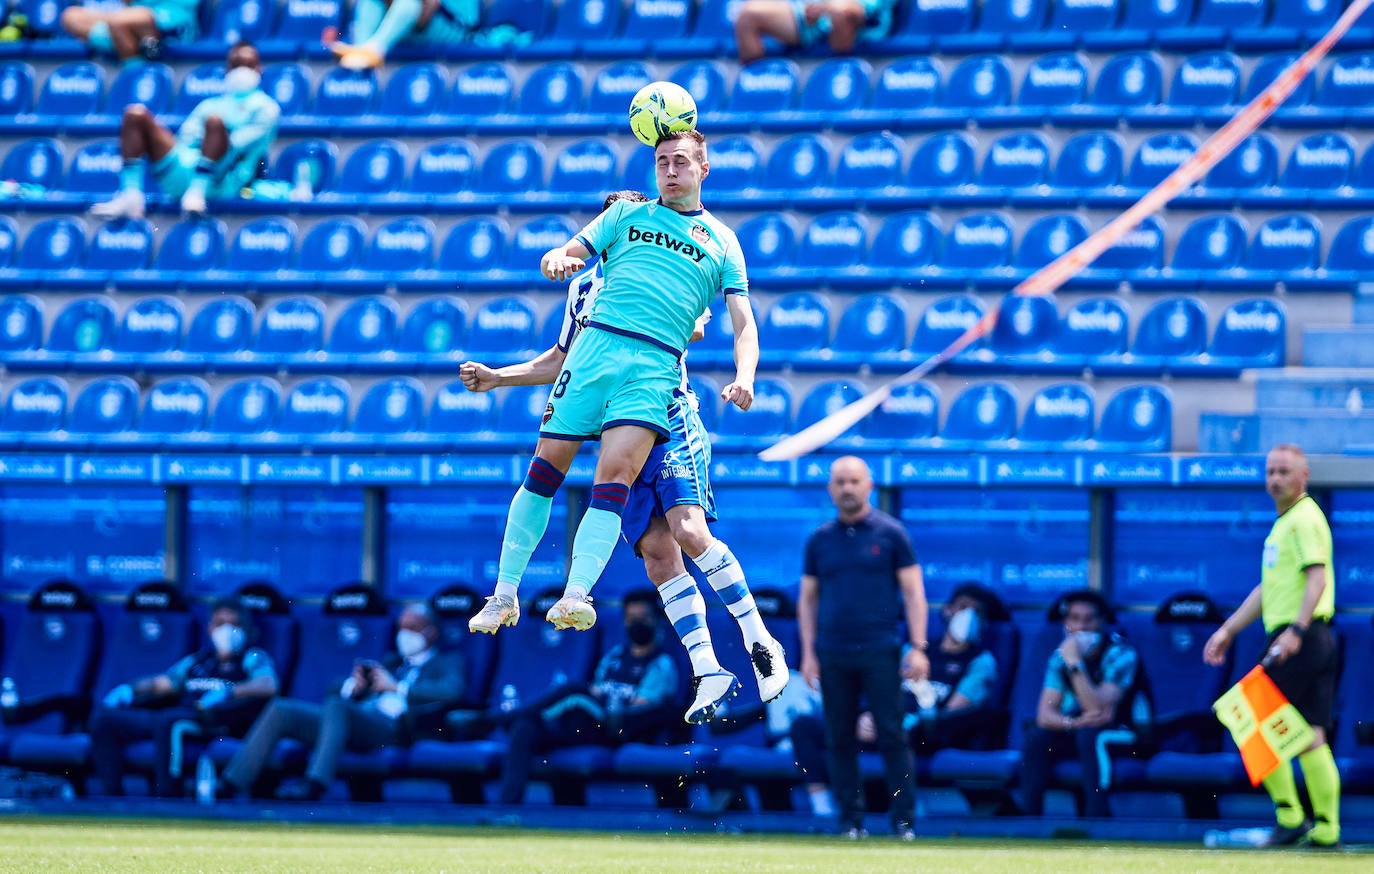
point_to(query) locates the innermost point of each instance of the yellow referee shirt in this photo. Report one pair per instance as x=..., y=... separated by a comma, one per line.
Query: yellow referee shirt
x=1299, y=539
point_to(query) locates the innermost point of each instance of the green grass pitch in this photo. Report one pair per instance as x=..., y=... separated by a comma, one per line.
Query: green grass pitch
x=99, y=846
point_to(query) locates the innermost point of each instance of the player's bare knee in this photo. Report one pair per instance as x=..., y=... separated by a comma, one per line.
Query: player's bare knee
x=137, y=115
x=691, y=533
x=215, y=124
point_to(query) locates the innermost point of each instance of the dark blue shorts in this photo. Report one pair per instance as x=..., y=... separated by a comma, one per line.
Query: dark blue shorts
x=676, y=473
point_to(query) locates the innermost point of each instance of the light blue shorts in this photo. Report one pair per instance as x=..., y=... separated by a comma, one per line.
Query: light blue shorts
x=610, y=380
x=178, y=167
x=877, y=21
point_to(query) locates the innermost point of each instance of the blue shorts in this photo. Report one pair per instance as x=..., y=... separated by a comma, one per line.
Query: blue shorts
x=676, y=474
x=178, y=167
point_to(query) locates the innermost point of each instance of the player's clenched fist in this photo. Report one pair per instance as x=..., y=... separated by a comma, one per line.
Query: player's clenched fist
x=739, y=394
x=559, y=266
x=477, y=377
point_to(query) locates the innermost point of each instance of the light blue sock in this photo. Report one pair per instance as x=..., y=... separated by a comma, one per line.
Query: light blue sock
x=367, y=17
x=99, y=38
x=131, y=174
x=396, y=25
x=592, y=548
x=525, y=525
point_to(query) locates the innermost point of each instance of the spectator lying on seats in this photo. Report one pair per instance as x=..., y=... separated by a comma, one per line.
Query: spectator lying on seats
x=137, y=29
x=220, y=689
x=803, y=23
x=217, y=151
x=379, y=704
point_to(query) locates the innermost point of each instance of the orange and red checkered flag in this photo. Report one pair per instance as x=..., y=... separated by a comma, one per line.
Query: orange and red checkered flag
x=1267, y=728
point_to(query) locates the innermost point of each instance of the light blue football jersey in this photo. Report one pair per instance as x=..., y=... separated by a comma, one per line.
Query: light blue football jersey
x=661, y=268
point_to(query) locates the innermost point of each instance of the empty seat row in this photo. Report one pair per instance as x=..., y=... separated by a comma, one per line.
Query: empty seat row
x=369, y=336
x=256, y=412
x=909, y=249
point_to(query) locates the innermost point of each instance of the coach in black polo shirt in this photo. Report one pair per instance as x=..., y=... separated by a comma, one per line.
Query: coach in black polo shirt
x=860, y=575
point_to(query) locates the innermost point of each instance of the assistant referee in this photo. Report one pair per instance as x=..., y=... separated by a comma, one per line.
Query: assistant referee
x=1296, y=598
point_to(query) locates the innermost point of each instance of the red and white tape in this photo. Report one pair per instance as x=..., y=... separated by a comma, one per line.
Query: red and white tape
x=1053, y=275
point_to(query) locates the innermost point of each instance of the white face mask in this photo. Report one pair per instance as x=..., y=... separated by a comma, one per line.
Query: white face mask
x=409, y=643
x=241, y=80
x=965, y=626
x=228, y=639
x=1087, y=641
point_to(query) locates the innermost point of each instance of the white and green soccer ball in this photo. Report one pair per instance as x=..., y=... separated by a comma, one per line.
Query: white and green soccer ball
x=661, y=108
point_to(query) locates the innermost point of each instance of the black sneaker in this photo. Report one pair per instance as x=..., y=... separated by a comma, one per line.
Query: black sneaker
x=1286, y=836
x=903, y=831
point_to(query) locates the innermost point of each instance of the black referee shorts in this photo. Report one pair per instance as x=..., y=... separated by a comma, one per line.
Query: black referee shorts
x=1308, y=679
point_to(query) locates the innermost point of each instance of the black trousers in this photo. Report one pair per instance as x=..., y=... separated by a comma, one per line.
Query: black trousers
x=113, y=728
x=1042, y=748
x=850, y=678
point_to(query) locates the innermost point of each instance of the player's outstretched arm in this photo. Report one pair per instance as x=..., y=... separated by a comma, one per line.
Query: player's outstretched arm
x=741, y=391
x=540, y=370
x=565, y=262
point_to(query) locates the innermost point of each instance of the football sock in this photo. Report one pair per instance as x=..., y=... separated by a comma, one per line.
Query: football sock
x=686, y=610
x=1324, y=790
x=99, y=38
x=596, y=536
x=200, y=182
x=367, y=17
x=526, y=522
x=726, y=576
x=131, y=174
x=398, y=21
x=1283, y=788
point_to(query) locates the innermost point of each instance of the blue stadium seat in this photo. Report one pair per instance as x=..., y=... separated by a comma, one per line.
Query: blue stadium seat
x=315, y=408
x=705, y=82
x=551, y=90
x=871, y=329
x=769, y=85
x=346, y=94
x=943, y=321
x=585, y=167
x=261, y=252
x=289, y=84
x=45, y=17
x=221, y=328
x=291, y=326
x=1284, y=248
x=124, y=244
x=1205, y=83
x=1318, y=165
x=867, y=164
x=334, y=245
x=798, y=163
x=736, y=165
x=768, y=241
x=147, y=84
x=242, y=21
x=9, y=241
x=979, y=83
x=1049, y=237
x=365, y=328
x=1353, y=740
x=1266, y=72
x=189, y=249
x=482, y=90
x=532, y=239
x=1349, y=83
x=53, y=245
x=1059, y=417
x=54, y=651
x=1089, y=161
x=1094, y=334
x=715, y=350
x=321, y=156
x=246, y=407
x=906, y=241
x=907, y=85
x=300, y=24
x=615, y=85
x=35, y=407
x=1054, y=81
x=1173, y=330
x=977, y=245
x=522, y=412
x=1207, y=247
x=1250, y=333
x=769, y=417
x=1016, y=160
x=435, y=328
x=834, y=244
x=453, y=605
x=21, y=323
x=1129, y=82
x=1017, y=20
x=1351, y=255
x=1135, y=256
x=1138, y=418
x=457, y=411
x=982, y=416
x=502, y=327
x=151, y=326
x=85, y=325
x=1252, y=165
x=573, y=22
x=16, y=88
x=1086, y=18
x=797, y=326
x=650, y=24
x=376, y=167
x=175, y=409
x=71, y=91
x=393, y=406
x=401, y=246
x=37, y=161
x=1234, y=19
x=941, y=163
x=1158, y=156
x=826, y=397
x=917, y=26
x=909, y=417
x=836, y=87
x=444, y=168
x=352, y=626
x=106, y=406
x=1026, y=330
x=511, y=168
x=206, y=80
x=415, y=91
x=707, y=391
x=712, y=33
x=475, y=245
x=154, y=629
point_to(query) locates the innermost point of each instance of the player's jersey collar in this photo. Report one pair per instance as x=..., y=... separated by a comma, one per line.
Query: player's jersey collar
x=693, y=212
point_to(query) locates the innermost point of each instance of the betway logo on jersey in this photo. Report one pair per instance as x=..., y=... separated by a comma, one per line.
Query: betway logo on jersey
x=147, y=322
x=176, y=402
x=328, y=403
x=658, y=238
x=1063, y=407
x=264, y=241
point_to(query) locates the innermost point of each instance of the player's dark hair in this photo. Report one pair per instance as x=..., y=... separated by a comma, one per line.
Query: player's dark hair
x=1086, y=596
x=627, y=194
x=692, y=135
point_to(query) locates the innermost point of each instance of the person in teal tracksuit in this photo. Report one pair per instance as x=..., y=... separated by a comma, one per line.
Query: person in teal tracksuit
x=139, y=27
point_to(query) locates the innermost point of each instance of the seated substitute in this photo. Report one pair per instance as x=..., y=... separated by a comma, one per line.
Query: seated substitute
x=137, y=29
x=222, y=688
x=842, y=23
x=378, y=705
x=378, y=25
x=217, y=152
x=1089, y=680
x=633, y=696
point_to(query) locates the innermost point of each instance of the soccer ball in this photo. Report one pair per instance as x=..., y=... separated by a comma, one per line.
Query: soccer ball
x=660, y=108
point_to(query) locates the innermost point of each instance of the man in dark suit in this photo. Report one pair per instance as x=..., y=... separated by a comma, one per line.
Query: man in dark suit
x=378, y=705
